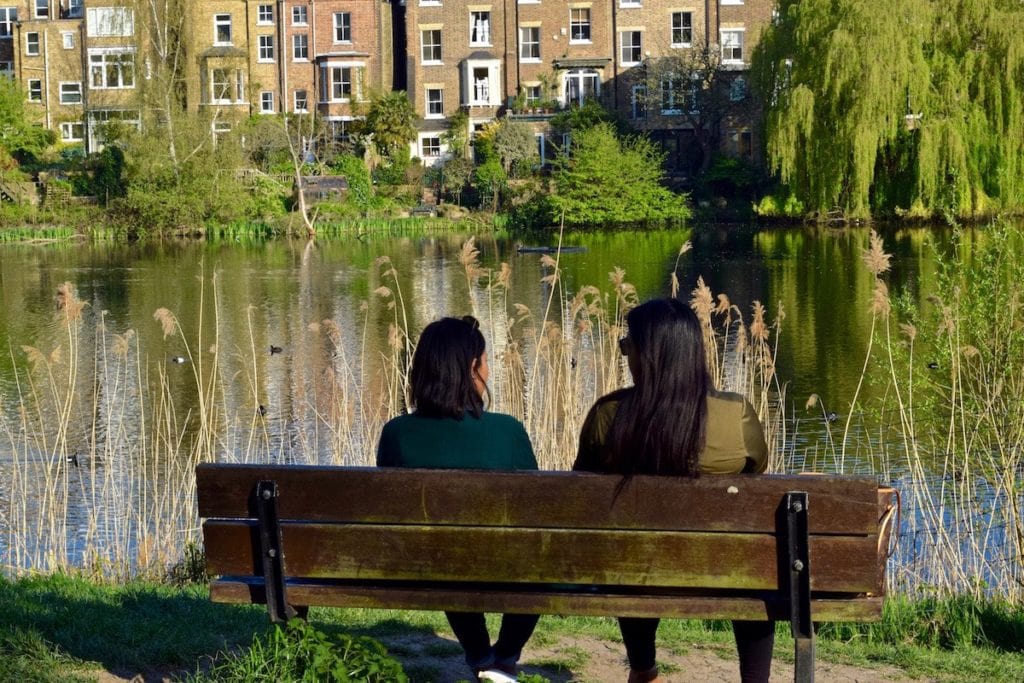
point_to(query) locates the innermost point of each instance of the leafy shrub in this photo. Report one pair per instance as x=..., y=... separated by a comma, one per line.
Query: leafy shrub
x=775, y=206
x=300, y=652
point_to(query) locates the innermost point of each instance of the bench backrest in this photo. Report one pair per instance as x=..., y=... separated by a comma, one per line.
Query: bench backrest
x=714, y=533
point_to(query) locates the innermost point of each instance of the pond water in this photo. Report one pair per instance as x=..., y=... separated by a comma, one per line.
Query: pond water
x=332, y=308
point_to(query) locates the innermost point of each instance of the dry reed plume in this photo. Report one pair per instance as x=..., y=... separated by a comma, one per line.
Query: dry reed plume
x=137, y=425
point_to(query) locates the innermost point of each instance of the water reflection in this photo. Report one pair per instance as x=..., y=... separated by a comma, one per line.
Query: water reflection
x=343, y=319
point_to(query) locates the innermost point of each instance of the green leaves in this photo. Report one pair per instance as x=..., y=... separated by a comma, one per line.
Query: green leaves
x=299, y=652
x=606, y=179
x=925, y=99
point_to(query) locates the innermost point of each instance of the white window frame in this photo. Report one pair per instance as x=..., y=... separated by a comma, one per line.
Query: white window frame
x=76, y=9
x=733, y=45
x=267, y=102
x=296, y=100
x=265, y=14
x=630, y=4
x=68, y=130
x=40, y=9
x=300, y=15
x=342, y=22
x=118, y=60
x=638, y=102
x=233, y=85
x=529, y=44
x=222, y=23
x=731, y=2
x=32, y=44
x=430, y=103
x=34, y=88
x=265, y=49
x=439, y=45
x=8, y=18
x=582, y=79
x=480, y=28
x=672, y=105
x=75, y=92
x=682, y=29
x=106, y=22
x=481, y=92
x=422, y=151
x=300, y=42
x=67, y=40
x=580, y=22
x=328, y=73
x=635, y=47
x=533, y=93
x=95, y=119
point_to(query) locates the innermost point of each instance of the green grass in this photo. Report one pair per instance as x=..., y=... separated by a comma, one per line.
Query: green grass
x=59, y=628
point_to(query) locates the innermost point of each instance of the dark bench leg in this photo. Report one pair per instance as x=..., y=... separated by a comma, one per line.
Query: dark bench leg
x=272, y=553
x=799, y=585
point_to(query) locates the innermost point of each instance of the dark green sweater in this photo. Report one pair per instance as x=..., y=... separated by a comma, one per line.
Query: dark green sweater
x=491, y=442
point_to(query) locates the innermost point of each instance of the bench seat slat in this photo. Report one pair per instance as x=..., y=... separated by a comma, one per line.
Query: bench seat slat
x=630, y=558
x=846, y=505
x=240, y=591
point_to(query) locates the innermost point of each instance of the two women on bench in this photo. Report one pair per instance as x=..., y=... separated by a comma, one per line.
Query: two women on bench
x=670, y=422
x=673, y=422
x=450, y=429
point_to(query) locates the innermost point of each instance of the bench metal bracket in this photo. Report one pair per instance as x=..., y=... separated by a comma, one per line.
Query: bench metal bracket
x=799, y=573
x=272, y=552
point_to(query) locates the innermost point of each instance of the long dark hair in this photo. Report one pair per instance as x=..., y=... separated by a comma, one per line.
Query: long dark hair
x=659, y=426
x=443, y=369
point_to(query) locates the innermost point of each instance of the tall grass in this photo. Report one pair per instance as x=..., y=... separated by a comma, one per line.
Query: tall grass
x=948, y=419
x=108, y=433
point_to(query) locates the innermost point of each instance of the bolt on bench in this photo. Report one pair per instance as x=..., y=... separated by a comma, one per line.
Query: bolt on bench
x=789, y=548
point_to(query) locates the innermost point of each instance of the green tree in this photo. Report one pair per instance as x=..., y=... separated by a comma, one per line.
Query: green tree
x=693, y=84
x=918, y=107
x=606, y=179
x=516, y=147
x=391, y=121
x=19, y=135
x=456, y=137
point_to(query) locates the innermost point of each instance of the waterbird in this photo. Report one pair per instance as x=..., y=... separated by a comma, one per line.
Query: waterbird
x=178, y=359
x=72, y=459
x=831, y=417
x=262, y=410
x=933, y=366
x=275, y=349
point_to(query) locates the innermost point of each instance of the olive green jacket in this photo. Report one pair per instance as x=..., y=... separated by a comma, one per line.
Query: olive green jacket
x=734, y=440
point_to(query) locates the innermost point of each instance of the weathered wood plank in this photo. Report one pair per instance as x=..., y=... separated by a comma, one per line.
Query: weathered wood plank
x=842, y=505
x=543, y=556
x=547, y=602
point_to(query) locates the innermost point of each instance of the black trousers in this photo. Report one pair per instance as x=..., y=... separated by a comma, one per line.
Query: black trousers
x=754, y=643
x=471, y=630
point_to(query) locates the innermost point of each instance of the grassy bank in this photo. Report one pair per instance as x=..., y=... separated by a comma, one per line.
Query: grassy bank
x=59, y=628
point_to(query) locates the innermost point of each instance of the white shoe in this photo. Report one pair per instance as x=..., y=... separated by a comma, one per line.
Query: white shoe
x=496, y=676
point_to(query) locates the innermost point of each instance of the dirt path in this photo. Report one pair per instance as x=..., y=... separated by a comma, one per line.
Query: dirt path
x=599, y=661
x=435, y=659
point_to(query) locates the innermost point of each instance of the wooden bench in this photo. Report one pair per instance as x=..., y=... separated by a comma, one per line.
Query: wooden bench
x=794, y=548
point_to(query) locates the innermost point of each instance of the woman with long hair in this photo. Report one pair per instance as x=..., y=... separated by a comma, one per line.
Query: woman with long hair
x=449, y=428
x=673, y=422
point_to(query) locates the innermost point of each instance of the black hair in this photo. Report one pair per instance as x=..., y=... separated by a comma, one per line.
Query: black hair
x=659, y=426
x=441, y=381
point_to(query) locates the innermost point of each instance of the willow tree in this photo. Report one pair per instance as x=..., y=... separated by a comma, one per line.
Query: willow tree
x=914, y=106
